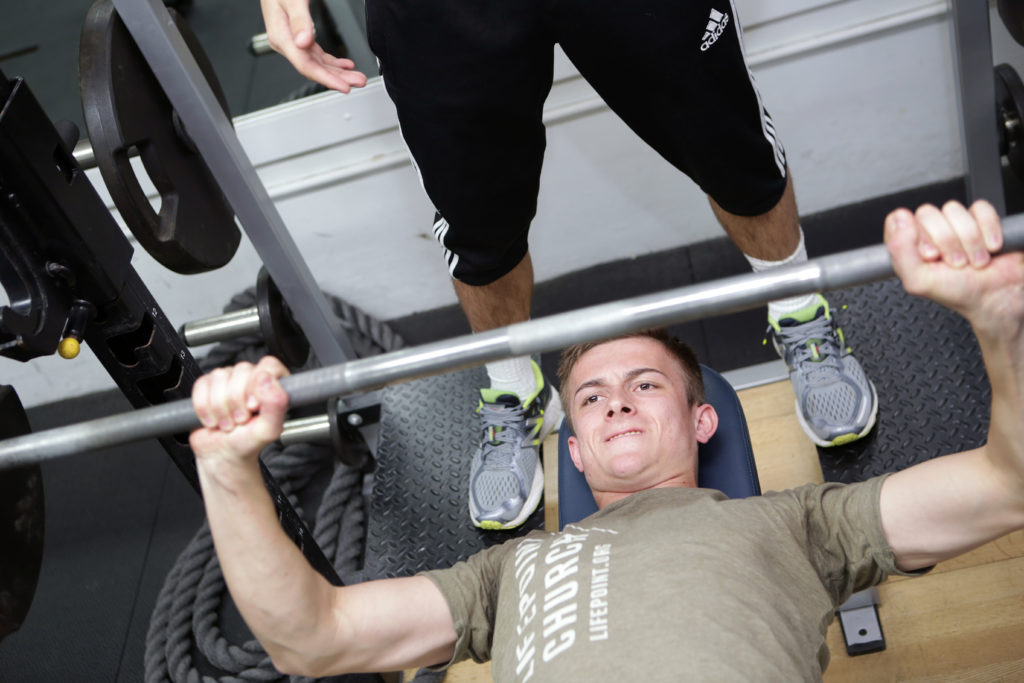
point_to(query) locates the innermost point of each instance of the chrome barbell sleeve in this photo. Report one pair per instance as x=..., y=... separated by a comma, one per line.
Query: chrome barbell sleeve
x=315, y=429
x=222, y=327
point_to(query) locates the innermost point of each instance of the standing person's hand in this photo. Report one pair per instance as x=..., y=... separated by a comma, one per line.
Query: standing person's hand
x=290, y=33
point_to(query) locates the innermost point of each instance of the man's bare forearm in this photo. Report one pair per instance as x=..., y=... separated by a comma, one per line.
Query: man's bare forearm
x=307, y=626
x=949, y=505
x=282, y=598
x=1004, y=361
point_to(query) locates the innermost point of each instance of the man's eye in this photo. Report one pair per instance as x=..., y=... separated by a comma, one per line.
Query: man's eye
x=645, y=386
x=590, y=399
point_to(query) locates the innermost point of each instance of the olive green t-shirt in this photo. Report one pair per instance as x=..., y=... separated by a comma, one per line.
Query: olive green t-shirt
x=672, y=583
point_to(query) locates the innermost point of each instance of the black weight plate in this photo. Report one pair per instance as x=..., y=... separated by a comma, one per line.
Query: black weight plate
x=1010, y=116
x=126, y=110
x=1012, y=14
x=282, y=335
x=22, y=523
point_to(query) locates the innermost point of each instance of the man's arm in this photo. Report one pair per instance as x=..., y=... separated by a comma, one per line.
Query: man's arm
x=290, y=33
x=306, y=625
x=946, y=506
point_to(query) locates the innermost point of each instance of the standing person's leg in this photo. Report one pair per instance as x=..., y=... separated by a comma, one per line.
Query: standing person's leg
x=469, y=81
x=678, y=77
x=770, y=240
x=770, y=236
x=502, y=302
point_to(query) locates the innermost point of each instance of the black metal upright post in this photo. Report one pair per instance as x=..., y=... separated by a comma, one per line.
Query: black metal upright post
x=62, y=251
x=972, y=62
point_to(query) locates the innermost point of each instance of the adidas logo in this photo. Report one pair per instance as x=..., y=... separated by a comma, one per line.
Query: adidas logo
x=716, y=26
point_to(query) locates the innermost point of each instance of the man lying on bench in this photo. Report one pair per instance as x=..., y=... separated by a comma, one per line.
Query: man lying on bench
x=665, y=576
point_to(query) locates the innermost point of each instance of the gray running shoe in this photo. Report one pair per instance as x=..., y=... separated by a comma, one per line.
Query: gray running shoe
x=836, y=403
x=506, y=479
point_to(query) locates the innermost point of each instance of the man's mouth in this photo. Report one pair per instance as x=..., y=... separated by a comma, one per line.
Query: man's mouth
x=631, y=432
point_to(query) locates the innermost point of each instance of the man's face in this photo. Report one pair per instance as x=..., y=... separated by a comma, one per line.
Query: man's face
x=634, y=426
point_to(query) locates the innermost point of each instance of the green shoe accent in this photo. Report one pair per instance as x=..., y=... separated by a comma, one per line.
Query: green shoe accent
x=805, y=314
x=491, y=396
x=844, y=439
x=491, y=525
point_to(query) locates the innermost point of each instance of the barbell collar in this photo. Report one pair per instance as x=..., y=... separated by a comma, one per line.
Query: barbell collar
x=593, y=323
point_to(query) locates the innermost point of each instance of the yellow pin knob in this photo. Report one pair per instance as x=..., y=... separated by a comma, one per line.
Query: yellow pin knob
x=68, y=348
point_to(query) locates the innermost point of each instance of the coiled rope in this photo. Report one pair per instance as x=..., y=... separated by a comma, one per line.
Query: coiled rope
x=186, y=642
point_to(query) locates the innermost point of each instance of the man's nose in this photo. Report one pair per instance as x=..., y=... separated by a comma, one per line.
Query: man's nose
x=619, y=403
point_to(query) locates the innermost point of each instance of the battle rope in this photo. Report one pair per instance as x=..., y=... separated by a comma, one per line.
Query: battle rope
x=186, y=622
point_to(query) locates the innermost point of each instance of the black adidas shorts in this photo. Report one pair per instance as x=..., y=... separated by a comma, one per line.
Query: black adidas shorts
x=469, y=79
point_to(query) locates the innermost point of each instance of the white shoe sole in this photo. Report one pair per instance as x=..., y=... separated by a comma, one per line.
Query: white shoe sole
x=845, y=438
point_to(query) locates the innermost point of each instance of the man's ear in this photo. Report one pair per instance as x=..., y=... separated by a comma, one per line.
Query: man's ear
x=574, y=453
x=706, y=422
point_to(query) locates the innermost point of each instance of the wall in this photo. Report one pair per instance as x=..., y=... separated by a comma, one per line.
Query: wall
x=862, y=93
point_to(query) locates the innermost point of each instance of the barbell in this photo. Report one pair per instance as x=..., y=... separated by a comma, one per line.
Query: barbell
x=682, y=304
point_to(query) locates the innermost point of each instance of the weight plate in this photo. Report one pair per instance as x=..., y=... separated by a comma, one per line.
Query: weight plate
x=1010, y=116
x=22, y=523
x=126, y=111
x=281, y=334
x=1012, y=14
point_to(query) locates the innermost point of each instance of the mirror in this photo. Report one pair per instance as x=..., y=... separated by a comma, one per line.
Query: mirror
x=42, y=47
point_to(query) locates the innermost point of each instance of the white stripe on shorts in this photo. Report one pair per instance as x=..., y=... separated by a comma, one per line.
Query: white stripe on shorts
x=450, y=257
x=767, y=127
x=441, y=226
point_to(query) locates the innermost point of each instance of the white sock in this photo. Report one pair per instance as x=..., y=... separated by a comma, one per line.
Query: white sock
x=513, y=375
x=780, y=307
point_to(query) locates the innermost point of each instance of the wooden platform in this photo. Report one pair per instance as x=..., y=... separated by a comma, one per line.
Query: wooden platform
x=962, y=622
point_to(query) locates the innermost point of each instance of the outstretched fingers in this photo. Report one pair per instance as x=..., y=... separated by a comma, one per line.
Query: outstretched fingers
x=290, y=33
x=336, y=73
